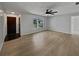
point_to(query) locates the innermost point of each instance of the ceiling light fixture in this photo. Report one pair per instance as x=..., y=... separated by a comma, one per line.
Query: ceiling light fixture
x=1, y=11
x=12, y=12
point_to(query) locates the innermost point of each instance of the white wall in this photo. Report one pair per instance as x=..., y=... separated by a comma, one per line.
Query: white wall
x=2, y=36
x=61, y=23
x=1, y=31
x=27, y=26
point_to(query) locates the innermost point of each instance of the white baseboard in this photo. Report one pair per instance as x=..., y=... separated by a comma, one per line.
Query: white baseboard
x=60, y=31
x=45, y=30
x=32, y=32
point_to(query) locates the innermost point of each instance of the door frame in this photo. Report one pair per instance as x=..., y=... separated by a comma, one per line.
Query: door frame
x=73, y=19
x=17, y=18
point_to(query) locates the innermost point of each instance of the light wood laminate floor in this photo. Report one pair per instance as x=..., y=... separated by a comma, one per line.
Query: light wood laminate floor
x=45, y=43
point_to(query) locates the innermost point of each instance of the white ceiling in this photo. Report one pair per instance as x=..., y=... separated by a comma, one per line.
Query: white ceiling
x=39, y=8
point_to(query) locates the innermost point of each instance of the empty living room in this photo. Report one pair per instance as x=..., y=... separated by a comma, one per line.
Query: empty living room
x=39, y=28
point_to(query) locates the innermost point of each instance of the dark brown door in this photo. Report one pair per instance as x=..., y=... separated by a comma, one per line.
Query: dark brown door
x=11, y=29
x=11, y=25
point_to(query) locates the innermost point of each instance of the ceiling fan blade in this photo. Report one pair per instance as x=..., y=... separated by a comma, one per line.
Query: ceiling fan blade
x=47, y=10
x=52, y=13
x=55, y=12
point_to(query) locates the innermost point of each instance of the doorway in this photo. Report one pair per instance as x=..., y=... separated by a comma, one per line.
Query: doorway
x=75, y=25
x=11, y=28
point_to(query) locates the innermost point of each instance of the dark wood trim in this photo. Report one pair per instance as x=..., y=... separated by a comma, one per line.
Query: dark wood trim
x=19, y=27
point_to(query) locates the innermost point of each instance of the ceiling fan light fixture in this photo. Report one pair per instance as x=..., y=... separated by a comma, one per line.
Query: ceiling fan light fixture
x=49, y=15
x=12, y=12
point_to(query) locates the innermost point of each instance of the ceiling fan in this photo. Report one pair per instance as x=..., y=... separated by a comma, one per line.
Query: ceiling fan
x=77, y=3
x=51, y=12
